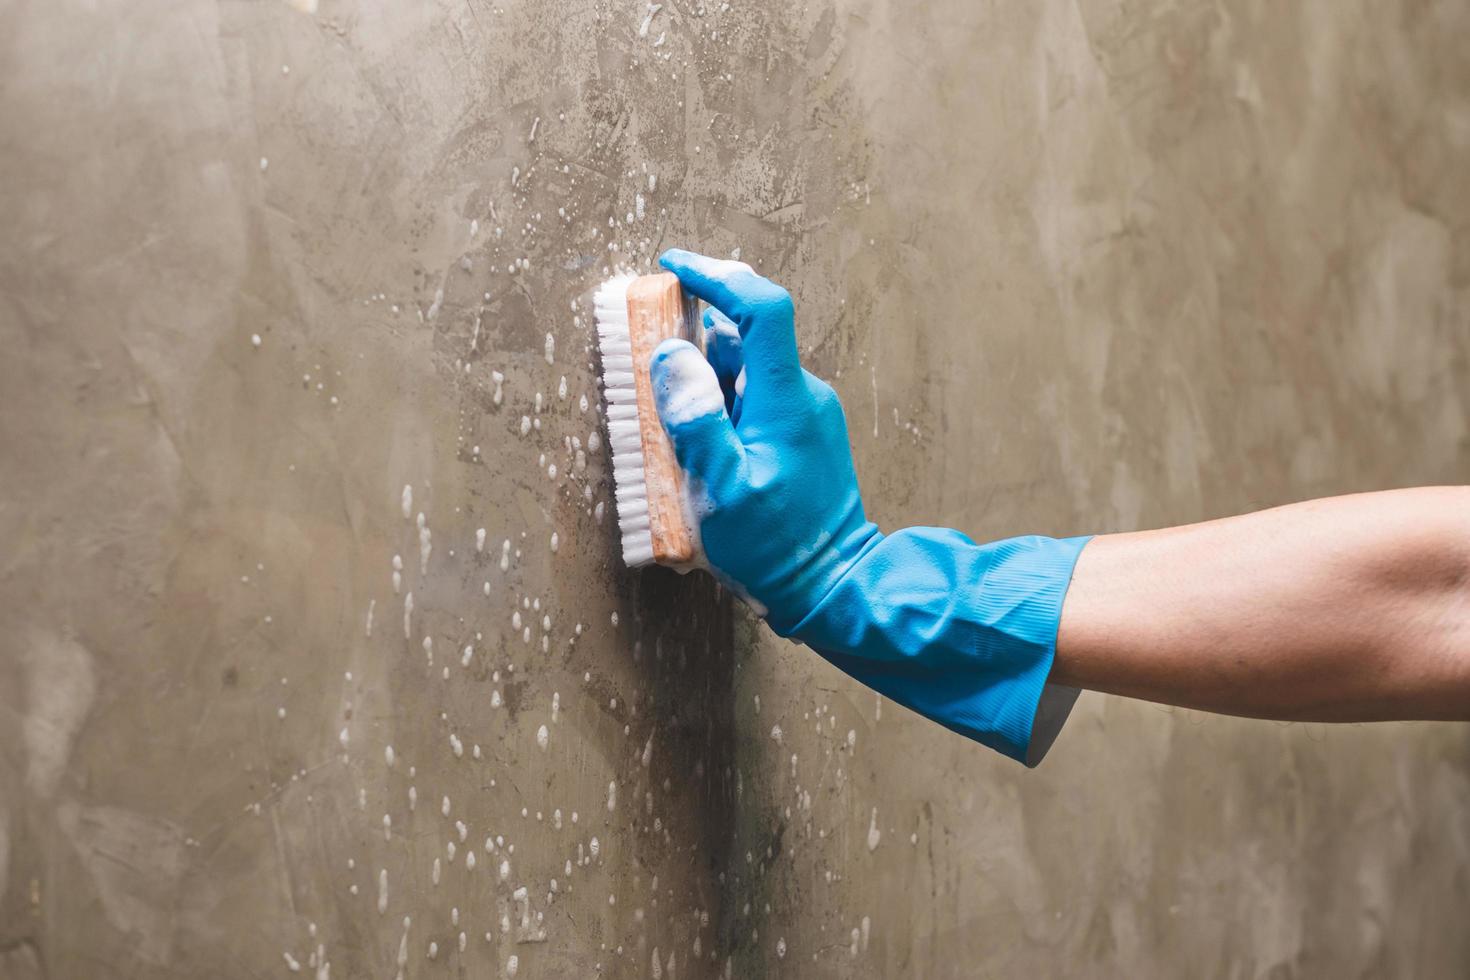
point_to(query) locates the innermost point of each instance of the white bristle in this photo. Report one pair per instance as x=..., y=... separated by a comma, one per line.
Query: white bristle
x=629, y=490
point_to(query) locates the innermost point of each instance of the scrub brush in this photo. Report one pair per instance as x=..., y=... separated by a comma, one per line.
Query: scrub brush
x=634, y=314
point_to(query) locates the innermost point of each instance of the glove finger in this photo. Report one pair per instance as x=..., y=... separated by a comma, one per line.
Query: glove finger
x=692, y=409
x=761, y=310
x=722, y=347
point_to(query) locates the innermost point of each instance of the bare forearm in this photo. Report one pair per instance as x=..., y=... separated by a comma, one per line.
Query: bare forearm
x=1351, y=608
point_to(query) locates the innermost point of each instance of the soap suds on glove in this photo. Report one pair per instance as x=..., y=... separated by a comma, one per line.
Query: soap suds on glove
x=719, y=270
x=685, y=386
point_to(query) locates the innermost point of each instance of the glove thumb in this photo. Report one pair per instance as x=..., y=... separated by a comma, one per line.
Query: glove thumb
x=692, y=409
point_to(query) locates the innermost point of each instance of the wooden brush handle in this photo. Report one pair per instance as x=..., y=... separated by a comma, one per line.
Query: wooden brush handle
x=657, y=310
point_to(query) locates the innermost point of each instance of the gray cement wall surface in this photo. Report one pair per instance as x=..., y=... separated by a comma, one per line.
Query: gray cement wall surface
x=1072, y=267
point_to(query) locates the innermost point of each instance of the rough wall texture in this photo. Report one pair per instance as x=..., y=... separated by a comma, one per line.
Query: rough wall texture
x=1073, y=266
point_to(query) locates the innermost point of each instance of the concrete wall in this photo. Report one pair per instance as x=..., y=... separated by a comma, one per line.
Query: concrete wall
x=1072, y=267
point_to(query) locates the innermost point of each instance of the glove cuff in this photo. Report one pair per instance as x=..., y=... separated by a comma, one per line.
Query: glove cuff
x=964, y=634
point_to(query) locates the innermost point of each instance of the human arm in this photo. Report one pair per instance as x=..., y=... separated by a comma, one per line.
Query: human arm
x=1353, y=608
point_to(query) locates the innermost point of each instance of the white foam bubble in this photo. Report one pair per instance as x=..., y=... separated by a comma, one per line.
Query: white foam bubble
x=688, y=387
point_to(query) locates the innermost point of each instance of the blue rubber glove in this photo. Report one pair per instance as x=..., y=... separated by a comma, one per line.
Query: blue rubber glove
x=962, y=633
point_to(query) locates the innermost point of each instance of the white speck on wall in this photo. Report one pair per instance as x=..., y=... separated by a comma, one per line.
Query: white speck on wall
x=413, y=798
x=495, y=698
x=867, y=927
x=426, y=547
x=292, y=963
x=255, y=340
x=851, y=737
x=776, y=734
x=264, y=163
x=525, y=425
x=555, y=541
x=598, y=511
x=444, y=806
x=382, y=891
x=653, y=8
x=781, y=948
x=612, y=796
x=407, y=500
x=387, y=827
x=512, y=965
x=595, y=847
x=535, y=123
x=469, y=860
x=561, y=388
x=555, y=706
x=467, y=656
x=613, y=618
x=456, y=746
x=550, y=349
x=874, y=834
x=388, y=756
x=647, y=756
x=542, y=737
x=343, y=737
x=372, y=606
x=408, y=616
x=638, y=206
x=433, y=946
x=480, y=539
x=498, y=380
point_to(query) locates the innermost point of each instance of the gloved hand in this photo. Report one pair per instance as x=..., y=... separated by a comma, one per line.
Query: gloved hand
x=962, y=633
